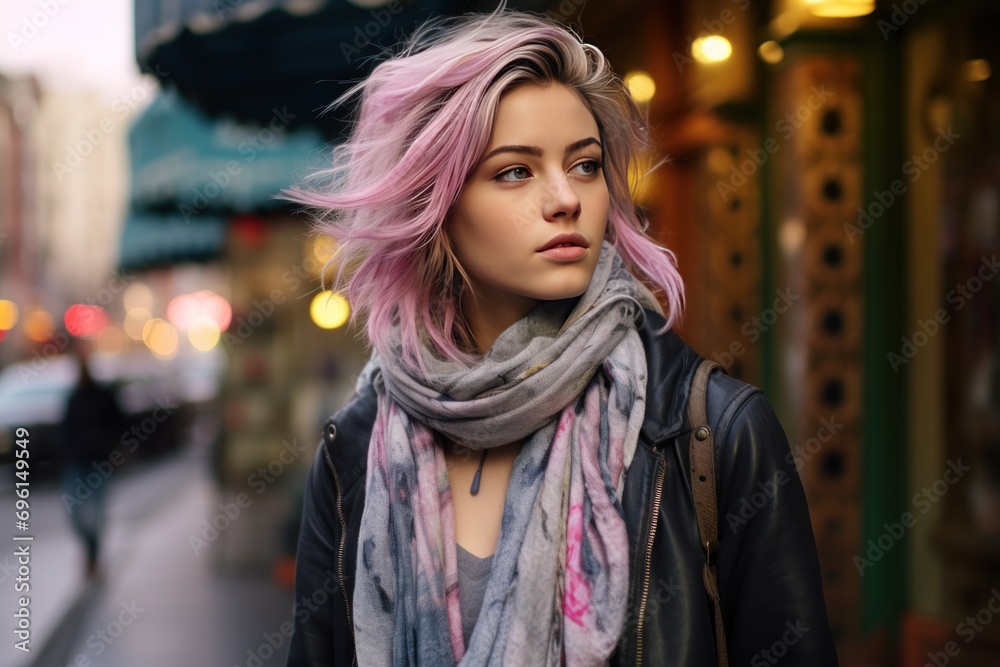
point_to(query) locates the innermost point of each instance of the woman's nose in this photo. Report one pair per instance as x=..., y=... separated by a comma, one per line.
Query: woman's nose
x=560, y=200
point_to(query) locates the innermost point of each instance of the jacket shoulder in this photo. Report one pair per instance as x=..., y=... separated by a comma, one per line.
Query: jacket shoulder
x=346, y=434
x=671, y=364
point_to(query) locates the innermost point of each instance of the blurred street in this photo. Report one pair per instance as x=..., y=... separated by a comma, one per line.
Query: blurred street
x=157, y=604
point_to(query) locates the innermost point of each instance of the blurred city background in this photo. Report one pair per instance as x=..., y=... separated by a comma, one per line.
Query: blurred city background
x=832, y=193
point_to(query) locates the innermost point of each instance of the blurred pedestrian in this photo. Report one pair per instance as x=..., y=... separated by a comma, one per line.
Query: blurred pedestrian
x=87, y=436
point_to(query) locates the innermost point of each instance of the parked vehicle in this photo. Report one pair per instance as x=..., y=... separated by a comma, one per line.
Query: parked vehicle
x=155, y=397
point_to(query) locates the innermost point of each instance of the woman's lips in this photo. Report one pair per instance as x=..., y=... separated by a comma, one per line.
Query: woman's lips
x=565, y=248
x=564, y=253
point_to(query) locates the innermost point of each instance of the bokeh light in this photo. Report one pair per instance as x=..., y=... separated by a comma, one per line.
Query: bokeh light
x=977, y=70
x=184, y=310
x=840, y=8
x=39, y=325
x=329, y=310
x=641, y=86
x=323, y=248
x=8, y=314
x=204, y=333
x=771, y=52
x=135, y=320
x=161, y=337
x=785, y=24
x=217, y=308
x=85, y=321
x=137, y=295
x=711, y=49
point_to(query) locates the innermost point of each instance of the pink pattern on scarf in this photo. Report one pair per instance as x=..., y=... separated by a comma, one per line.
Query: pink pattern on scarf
x=577, y=592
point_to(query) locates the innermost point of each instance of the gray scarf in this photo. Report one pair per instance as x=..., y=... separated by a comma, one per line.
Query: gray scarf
x=571, y=377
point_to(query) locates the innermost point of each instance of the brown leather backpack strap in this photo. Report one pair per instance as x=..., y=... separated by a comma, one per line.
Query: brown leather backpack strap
x=705, y=498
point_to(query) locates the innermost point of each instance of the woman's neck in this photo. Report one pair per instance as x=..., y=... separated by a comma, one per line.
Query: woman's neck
x=488, y=316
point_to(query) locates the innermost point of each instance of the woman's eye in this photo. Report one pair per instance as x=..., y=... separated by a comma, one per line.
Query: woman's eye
x=513, y=175
x=587, y=167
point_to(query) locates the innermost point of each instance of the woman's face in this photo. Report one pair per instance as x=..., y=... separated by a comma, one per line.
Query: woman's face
x=530, y=220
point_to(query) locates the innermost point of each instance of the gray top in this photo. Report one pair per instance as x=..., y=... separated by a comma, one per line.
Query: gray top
x=473, y=574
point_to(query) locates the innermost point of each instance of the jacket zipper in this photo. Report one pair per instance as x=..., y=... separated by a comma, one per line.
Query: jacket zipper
x=657, y=493
x=340, y=550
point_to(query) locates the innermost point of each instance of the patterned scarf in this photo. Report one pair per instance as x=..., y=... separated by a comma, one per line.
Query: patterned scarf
x=574, y=383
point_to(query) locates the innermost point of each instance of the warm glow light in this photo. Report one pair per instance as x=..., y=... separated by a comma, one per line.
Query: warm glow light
x=840, y=8
x=8, y=314
x=204, y=333
x=137, y=295
x=977, y=70
x=182, y=311
x=85, y=321
x=329, y=310
x=217, y=308
x=39, y=325
x=640, y=179
x=186, y=309
x=135, y=320
x=147, y=329
x=785, y=24
x=323, y=248
x=641, y=86
x=160, y=337
x=711, y=49
x=771, y=52
x=791, y=236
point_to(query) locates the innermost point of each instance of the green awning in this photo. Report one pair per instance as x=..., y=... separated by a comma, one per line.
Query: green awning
x=184, y=160
x=161, y=239
x=191, y=174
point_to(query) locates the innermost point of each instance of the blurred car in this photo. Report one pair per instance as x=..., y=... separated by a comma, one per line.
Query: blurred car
x=154, y=402
x=33, y=396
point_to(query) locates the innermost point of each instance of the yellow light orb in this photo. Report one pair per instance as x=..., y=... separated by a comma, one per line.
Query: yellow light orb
x=323, y=248
x=329, y=310
x=771, y=52
x=8, y=314
x=785, y=24
x=204, y=333
x=840, y=9
x=135, y=321
x=137, y=295
x=160, y=337
x=977, y=70
x=711, y=49
x=641, y=86
x=147, y=329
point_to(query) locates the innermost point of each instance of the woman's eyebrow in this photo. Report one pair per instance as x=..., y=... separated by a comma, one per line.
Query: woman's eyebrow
x=537, y=152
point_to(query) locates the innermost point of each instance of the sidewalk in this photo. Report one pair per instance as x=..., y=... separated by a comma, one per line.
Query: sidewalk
x=159, y=604
x=56, y=580
x=57, y=584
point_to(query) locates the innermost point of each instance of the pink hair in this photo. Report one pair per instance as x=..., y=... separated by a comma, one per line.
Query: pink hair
x=424, y=121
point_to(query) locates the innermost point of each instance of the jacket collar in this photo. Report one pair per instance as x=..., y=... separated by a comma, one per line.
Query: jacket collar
x=671, y=364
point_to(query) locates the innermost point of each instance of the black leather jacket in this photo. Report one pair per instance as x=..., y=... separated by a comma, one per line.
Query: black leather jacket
x=769, y=578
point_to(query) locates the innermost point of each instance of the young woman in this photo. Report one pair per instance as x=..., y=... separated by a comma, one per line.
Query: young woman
x=511, y=483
